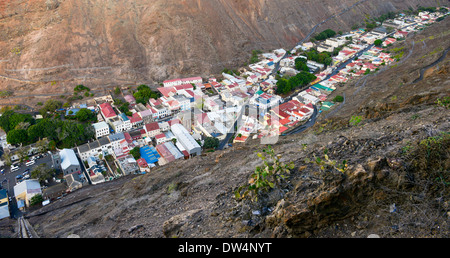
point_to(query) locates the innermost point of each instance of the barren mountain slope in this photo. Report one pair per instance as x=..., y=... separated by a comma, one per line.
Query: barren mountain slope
x=396, y=184
x=48, y=46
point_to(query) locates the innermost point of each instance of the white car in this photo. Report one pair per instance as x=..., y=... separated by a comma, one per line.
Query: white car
x=29, y=163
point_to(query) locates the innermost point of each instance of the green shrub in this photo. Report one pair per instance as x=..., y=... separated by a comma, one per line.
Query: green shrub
x=338, y=98
x=355, y=120
x=444, y=102
x=265, y=177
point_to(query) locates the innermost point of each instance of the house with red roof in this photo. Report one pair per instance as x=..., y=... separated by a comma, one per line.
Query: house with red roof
x=171, y=83
x=160, y=138
x=369, y=66
x=130, y=99
x=167, y=91
x=143, y=165
x=152, y=129
x=389, y=41
x=400, y=34
x=240, y=138
x=136, y=120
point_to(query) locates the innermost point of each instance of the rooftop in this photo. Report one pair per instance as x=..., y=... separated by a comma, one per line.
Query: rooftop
x=68, y=158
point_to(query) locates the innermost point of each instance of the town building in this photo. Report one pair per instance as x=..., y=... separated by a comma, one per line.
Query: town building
x=25, y=190
x=186, y=139
x=69, y=162
x=107, y=111
x=4, y=204
x=152, y=129
x=101, y=129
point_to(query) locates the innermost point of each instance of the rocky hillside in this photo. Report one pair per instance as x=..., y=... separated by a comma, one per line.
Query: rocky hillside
x=395, y=185
x=48, y=46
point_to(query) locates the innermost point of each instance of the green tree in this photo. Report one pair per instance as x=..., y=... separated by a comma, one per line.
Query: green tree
x=300, y=64
x=117, y=90
x=50, y=106
x=355, y=120
x=338, y=98
x=370, y=26
x=328, y=33
x=80, y=87
x=42, y=145
x=22, y=153
x=42, y=172
x=135, y=152
x=10, y=119
x=85, y=114
x=16, y=137
x=36, y=199
x=144, y=93
x=378, y=42
x=211, y=143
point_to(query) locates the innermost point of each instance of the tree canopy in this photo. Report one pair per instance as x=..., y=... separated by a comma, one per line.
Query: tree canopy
x=285, y=85
x=328, y=33
x=300, y=64
x=378, y=42
x=322, y=57
x=10, y=119
x=211, y=143
x=144, y=93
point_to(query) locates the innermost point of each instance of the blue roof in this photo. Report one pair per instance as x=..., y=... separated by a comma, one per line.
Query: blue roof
x=124, y=117
x=3, y=194
x=74, y=111
x=270, y=63
x=147, y=154
x=320, y=86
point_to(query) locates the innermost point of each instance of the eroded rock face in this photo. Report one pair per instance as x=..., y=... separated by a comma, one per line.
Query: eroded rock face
x=51, y=45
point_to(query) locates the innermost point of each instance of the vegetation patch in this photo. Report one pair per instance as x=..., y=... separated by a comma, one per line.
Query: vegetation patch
x=265, y=177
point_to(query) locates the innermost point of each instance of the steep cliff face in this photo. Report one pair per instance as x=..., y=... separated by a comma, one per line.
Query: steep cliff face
x=47, y=46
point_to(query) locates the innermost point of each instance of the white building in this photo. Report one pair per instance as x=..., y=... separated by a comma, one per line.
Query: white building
x=69, y=162
x=176, y=82
x=101, y=129
x=121, y=123
x=307, y=98
x=186, y=140
x=102, y=146
x=335, y=42
x=325, y=48
x=25, y=190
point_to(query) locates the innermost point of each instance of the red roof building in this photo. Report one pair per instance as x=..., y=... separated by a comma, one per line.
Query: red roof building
x=142, y=163
x=107, y=110
x=152, y=129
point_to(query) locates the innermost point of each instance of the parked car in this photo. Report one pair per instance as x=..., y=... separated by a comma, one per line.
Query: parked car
x=30, y=162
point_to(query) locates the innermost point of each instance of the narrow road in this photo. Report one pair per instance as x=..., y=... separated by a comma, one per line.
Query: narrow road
x=230, y=132
x=422, y=71
x=311, y=121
